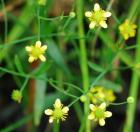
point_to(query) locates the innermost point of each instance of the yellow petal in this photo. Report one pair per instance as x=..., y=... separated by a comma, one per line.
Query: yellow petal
x=31, y=59
x=42, y=58
x=108, y=114
x=65, y=109
x=50, y=119
x=101, y=122
x=96, y=7
x=102, y=106
x=92, y=107
x=107, y=14
x=92, y=25
x=28, y=48
x=57, y=103
x=88, y=14
x=44, y=47
x=38, y=44
x=48, y=112
x=103, y=24
x=91, y=116
x=126, y=36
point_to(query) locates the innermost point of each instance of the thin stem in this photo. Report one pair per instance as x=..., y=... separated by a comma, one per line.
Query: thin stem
x=56, y=126
x=131, y=108
x=5, y=20
x=38, y=21
x=83, y=56
x=24, y=84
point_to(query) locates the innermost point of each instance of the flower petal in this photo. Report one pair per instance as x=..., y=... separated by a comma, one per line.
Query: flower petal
x=57, y=103
x=31, y=59
x=88, y=13
x=92, y=25
x=92, y=107
x=65, y=109
x=96, y=7
x=108, y=114
x=107, y=14
x=28, y=48
x=91, y=116
x=51, y=119
x=101, y=122
x=38, y=44
x=103, y=24
x=42, y=58
x=44, y=47
x=48, y=112
x=102, y=106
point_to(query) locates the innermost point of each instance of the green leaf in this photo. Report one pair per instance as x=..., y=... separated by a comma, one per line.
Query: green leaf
x=18, y=64
x=95, y=67
x=110, y=85
x=56, y=55
x=50, y=99
x=42, y=68
x=39, y=99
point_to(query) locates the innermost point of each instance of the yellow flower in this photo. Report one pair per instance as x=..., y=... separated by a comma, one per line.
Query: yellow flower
x=99, y=113
x=97, y=17
x=127, y=29
x=100, y=93
x=58, y=113
x=36, y=52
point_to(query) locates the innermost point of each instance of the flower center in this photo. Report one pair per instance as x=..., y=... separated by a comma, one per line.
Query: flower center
x=99, y=113
x=98, y=16
x=58, y=113
x=36, y=51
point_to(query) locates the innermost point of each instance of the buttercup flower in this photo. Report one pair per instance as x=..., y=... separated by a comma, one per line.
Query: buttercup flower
x=97, y=17
x=36, y=52
x=99, y=113
x=16, y=95
x=59, y=112
x=127, y=29
x=99, y=93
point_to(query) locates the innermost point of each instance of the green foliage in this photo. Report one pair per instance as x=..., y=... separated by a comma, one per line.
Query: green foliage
x=77, y=58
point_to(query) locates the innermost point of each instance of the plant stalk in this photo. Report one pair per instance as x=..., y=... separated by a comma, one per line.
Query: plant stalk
x=83, y=56
x=131, y=108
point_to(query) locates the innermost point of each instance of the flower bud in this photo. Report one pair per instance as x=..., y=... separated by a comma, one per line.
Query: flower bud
x=130, y=99
x=72, y=14
x=16, y=95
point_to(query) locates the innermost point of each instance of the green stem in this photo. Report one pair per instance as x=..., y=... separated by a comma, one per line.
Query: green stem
x=56, y=126
x=83, y=55
x=131, y=108
x=5, y=20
